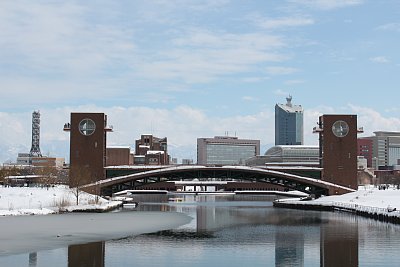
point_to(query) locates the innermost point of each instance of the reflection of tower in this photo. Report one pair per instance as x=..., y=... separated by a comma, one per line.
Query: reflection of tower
x=205, y=218
x=35, y=149
x=91, y=254
x=339, y=243
x=289, y=247
x=32, y=259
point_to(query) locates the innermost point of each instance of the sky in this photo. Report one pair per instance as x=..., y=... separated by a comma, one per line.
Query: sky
x=185, y=69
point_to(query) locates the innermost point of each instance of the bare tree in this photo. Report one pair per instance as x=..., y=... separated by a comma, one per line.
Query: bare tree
x=2, y=175
x=5, y=172
x=78, y=177
x=47, y=175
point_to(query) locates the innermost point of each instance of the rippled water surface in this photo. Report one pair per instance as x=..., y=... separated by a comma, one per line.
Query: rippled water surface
x=236, y=231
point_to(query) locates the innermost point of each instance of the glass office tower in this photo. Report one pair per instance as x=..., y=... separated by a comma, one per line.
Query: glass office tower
x=289, y=124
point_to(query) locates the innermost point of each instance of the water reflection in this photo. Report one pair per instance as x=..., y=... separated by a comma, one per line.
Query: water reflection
x=237, y=231
x=86, y=255
x=33, y=259
x=339, y=242
x=338, y=237
x=289, y=247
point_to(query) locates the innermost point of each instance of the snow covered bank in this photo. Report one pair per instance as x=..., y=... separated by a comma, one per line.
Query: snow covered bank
x=367, y=201
x=41, y=201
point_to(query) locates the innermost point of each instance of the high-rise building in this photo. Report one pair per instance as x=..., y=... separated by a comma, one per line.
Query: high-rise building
x=385, y=148
x=289, y=123
x=226, y=150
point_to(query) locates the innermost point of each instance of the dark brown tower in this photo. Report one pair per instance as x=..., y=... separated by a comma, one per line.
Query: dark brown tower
x=88, y=133
x=338, y=149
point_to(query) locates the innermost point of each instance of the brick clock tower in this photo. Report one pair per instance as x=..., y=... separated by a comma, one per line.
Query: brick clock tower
x=338, y=149
x=88, y=132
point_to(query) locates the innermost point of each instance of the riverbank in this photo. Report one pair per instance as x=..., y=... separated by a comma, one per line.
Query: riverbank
x=48, y=200
x=368, y=201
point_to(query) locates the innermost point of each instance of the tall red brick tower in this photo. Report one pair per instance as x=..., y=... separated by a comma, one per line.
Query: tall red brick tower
x=338, y=149
x=88, y=135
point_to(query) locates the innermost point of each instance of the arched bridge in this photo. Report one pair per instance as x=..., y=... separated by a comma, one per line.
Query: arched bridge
x=225, y=173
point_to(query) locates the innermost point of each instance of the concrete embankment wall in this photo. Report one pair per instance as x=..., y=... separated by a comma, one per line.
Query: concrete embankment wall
x=293, y=205
x=379, y=214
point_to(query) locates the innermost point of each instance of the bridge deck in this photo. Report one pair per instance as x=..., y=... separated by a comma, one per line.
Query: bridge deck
x=224, y=173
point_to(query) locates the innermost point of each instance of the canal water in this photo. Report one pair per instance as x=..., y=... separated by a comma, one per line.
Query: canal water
x=235, y=230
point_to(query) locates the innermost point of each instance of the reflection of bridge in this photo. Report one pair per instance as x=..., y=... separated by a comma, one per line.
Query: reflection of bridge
x=224, y=173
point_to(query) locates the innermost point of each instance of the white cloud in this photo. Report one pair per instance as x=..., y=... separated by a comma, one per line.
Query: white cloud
x=60, y=39
x=203, y=56
x=291, y=82
x=268, y=23
x=394, y=27
x=254, y=79
x=15, y=128
x=379, y=59
x=249, y=98
x=327, y=4
x=281, y=70
x=371, y=120
x=73, y=53
x=182, y=125
x=281, y=92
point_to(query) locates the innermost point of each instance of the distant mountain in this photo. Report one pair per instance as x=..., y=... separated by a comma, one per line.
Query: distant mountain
x=9, y=153
x=59, y=149
x=183, y=152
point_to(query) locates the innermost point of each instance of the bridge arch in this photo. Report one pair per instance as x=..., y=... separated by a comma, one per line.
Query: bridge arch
x=225, y=173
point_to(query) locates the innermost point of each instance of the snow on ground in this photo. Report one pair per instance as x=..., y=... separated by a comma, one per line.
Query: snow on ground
x=36, y=200
x=41, y=201
x=366, y=198
x=20, y=234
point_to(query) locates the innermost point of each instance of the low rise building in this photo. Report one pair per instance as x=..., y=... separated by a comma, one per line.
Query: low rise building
x=226, y=150
x=151, y=150
x=119, y=155
x=385, y=149
x=288, y=155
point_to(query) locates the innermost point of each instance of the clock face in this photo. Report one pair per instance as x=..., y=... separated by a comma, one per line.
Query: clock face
x=87, y=127
x=340, y=128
